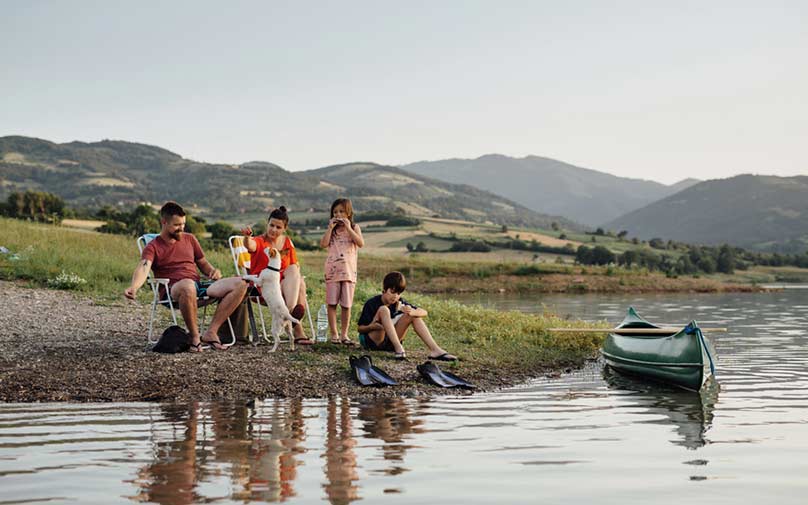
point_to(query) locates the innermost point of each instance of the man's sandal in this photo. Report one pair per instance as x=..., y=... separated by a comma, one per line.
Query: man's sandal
x=214, y=344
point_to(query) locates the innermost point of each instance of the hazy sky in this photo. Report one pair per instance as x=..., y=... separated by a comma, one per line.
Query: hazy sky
x=654, y=90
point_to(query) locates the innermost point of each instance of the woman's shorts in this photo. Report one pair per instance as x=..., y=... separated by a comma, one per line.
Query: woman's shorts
x=340, y=293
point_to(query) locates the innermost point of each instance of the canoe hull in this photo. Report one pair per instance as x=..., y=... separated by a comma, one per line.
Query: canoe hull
x=680, y=359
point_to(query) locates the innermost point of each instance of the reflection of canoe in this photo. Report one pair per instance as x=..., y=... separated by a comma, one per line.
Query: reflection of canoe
x=690, y=412
x=683, y=358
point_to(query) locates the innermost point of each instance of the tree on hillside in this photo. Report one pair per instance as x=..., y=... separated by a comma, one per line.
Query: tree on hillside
x=221, y=231
x=36, y=206
x=726, y=260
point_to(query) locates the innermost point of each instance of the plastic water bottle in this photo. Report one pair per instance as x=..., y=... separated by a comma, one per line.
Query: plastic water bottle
x=322, y=324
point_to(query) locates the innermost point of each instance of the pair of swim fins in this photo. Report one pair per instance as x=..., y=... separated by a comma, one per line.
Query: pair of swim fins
x=368, y=375
x=432, y=373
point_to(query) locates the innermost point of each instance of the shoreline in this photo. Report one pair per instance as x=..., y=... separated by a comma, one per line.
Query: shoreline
x=61, y=346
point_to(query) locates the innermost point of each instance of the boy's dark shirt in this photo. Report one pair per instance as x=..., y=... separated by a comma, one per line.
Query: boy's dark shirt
x=372, y=306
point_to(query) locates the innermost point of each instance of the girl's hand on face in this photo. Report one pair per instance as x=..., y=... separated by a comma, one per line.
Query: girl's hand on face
x=345, y=221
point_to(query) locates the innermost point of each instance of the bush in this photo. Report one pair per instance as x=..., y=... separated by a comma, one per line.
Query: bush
x=66, y=280
x=402, y=221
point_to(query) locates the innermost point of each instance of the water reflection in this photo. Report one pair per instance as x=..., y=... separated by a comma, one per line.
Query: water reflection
x=690, y=412
x=340, y=466
x=254, y=449
x=171, y=478
x=391, y=421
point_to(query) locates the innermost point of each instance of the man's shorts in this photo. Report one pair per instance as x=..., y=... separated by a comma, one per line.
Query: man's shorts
x=202, y=288
x=340, y=293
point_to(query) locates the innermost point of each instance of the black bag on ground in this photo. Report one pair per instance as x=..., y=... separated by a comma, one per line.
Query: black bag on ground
x=173, y=340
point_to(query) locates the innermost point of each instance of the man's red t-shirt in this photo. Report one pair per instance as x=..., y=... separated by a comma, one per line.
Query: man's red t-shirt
x=175, y=261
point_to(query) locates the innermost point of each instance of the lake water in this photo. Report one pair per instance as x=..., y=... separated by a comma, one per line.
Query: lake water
x=588, y=437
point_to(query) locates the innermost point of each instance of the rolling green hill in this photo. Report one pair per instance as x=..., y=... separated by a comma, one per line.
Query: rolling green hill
x=124, y=174
x=764, y=213
x=550, y=186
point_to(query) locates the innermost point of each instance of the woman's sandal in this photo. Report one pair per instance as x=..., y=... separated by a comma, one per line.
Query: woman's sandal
x=401, y=356
x=195, y=347
x=303, y=341
x=335, y=341
x=347, y=342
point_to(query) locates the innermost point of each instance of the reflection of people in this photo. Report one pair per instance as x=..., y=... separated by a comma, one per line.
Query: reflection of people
x=273, y=465
x=390, y=420
x=386, y=318
x=176, y=255
x=293, y=286
x=343, y=238
x=172, y=477
x=340, y=460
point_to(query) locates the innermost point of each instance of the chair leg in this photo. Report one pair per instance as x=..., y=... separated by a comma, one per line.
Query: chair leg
x=251, y=317
x=232, y=334
x=151, y=322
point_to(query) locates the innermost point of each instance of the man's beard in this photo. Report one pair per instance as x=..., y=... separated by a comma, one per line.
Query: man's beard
x=175, y=235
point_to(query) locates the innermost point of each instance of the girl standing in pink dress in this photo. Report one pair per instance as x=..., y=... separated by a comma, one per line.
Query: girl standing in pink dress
x=343, y=238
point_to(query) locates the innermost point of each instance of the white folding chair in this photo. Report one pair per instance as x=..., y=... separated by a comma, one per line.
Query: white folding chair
x=165, y=300
x=241, y=262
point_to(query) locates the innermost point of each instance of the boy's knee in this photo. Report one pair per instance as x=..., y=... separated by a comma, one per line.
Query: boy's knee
x=383, y=312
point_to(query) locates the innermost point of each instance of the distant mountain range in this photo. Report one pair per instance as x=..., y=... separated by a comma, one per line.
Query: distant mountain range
x=550, y=186
x=124, y=173
x=766, y=213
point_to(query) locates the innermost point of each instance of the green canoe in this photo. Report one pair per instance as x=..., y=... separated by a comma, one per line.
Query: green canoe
x=683, y=358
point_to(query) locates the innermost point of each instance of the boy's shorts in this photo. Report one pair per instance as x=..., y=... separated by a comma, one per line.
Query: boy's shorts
x=367, y=343
x=340, y=293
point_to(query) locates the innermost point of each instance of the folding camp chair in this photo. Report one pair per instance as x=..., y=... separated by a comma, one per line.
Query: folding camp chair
x=241, y=262
x=163, y=297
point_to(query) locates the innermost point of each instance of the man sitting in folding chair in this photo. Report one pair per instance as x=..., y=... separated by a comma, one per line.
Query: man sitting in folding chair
x=176, y=255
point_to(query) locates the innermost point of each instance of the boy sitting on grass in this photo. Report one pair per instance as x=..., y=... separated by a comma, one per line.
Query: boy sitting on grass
x=386, y=318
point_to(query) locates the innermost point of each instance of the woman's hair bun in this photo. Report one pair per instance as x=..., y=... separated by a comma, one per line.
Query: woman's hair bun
x=282, y=208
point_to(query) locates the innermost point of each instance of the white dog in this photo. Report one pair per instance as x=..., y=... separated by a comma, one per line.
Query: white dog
x=270, y=283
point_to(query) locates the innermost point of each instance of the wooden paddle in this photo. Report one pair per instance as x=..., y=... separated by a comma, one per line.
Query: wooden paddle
x=633, y=331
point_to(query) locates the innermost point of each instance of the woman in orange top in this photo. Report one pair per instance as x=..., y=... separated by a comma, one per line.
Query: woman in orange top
x=293, y=287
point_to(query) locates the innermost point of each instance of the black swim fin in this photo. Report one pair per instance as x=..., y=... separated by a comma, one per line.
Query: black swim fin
x=438, y=377
x=378, y=374
x=360, y=369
